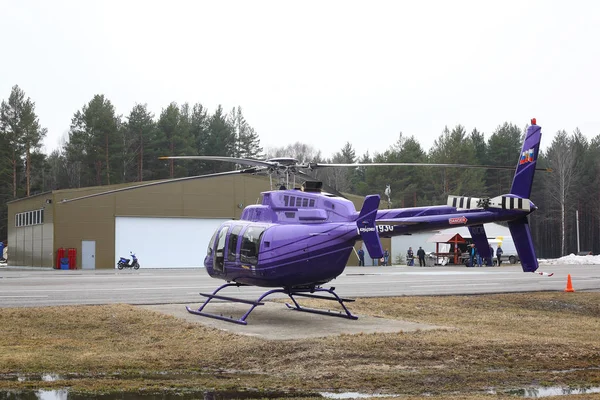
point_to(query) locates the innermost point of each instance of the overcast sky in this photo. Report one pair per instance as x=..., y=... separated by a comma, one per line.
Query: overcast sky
x=320, y=72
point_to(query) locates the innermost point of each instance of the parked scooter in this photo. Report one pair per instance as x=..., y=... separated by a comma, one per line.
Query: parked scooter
x=124, y=262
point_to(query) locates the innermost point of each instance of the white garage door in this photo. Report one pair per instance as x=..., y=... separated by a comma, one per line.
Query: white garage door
x=164, y=242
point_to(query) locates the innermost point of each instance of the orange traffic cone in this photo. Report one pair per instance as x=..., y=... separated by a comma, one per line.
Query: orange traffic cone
x=569, y=284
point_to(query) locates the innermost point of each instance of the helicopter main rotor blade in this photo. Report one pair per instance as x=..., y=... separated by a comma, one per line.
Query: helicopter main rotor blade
x=408, y=164
x=156, y=183
x=235, y=160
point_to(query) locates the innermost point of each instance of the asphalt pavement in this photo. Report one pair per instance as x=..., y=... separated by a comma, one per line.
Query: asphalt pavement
x=170, y=290
x=28, y=287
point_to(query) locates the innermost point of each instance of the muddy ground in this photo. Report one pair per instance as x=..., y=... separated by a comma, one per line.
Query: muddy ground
x=492, y=344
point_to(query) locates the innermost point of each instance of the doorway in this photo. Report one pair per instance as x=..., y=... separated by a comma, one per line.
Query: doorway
x=88, y=254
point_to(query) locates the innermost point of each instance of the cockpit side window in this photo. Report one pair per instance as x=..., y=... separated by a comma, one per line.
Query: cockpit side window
x=220, y=249
x=233, y=242
x=211, y=244
x=251, y=244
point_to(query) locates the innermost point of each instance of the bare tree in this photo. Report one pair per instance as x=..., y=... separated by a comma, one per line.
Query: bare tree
x=562, y=158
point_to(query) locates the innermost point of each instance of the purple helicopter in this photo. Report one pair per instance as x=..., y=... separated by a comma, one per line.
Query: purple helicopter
x=299, y=239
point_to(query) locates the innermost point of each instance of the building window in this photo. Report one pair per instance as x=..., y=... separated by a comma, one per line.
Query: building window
x=27, y=218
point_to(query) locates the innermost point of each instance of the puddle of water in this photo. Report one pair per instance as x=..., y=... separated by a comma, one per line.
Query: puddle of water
x=538, y=392
x=65, y=394
x=567, y=371
x=352, y=395
x=25, y=377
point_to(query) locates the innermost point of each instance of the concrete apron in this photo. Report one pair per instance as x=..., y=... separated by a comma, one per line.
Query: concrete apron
x=274, y=321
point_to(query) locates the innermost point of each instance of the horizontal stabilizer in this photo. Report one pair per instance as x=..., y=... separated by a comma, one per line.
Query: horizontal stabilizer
x=510, y=203
x=502, y=202
x=465, y=203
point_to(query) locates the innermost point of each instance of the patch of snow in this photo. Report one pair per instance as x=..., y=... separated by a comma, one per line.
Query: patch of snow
x=571, y=259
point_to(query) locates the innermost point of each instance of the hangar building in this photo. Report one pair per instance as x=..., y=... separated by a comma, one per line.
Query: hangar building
x=167, y=225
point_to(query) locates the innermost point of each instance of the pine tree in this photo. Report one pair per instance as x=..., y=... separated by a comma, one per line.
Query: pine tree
x=456, y=147
x=504, y=146
x=247, y=143
x=199, y=123
x=137, y=133
x=406, y=183
x=21, y=128
x=340, y=178
x=94, y=143
x=174, y=131
x=220, y=140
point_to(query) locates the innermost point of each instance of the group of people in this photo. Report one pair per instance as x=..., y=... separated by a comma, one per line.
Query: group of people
x=476, y=260
x=385, y=260
x=410, y=257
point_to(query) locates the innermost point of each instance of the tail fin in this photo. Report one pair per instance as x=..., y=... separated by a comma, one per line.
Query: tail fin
x=521, y=187
x=521, y=235
x=366, y=226
x=523, y=179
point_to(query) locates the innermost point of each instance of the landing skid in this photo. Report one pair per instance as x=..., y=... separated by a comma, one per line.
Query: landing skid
x=291, y=292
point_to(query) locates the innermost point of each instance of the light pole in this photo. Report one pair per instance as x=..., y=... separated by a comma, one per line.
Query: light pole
x=577, y=227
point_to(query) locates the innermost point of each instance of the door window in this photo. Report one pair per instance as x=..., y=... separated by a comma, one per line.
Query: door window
x=233, y=242
x=251, y=244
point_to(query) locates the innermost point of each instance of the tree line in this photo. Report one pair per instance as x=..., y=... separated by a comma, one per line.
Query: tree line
x=104, y=147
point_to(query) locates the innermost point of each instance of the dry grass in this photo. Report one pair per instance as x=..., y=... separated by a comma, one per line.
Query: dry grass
x=500, y=341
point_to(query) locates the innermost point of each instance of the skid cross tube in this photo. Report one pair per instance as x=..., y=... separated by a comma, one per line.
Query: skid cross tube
x=291, y=292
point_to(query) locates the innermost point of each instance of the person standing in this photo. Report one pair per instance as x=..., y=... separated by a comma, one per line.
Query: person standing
x=421, y=255
x=386, y=257
x=410, y=257
x=361, y=258
x=499, y=254
x=491, y=264
x=472, y=255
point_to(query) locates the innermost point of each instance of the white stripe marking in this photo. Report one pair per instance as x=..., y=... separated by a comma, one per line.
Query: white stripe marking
x=457, y=285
